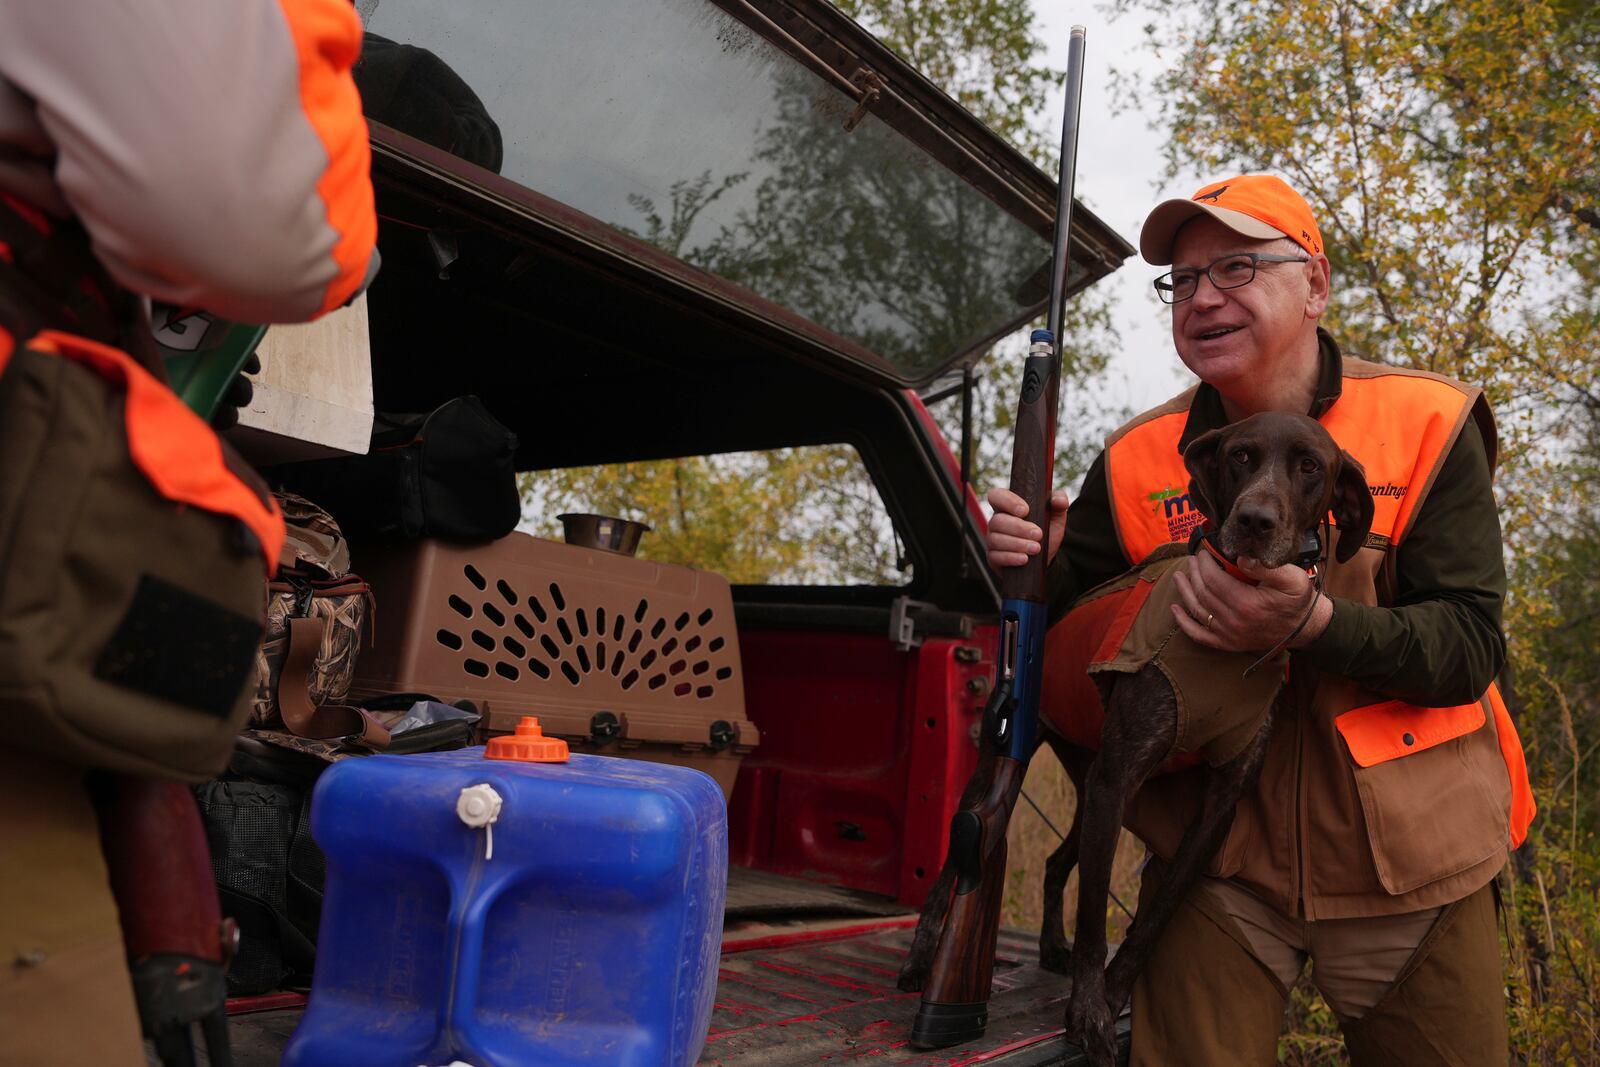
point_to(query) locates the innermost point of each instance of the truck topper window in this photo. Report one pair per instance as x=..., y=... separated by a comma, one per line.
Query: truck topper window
x=677, y=123
x=788, y=516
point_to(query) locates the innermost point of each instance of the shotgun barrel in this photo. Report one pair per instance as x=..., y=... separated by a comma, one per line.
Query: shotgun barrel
x=955, y=1000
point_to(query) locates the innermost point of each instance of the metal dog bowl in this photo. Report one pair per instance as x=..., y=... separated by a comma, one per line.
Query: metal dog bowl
x=602, y=531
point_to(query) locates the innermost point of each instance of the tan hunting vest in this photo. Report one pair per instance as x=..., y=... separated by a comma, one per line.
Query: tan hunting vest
x=1366, y=805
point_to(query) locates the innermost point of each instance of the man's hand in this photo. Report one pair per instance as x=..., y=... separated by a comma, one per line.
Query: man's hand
x=237, y=397
x=1012, y=539
x=1219, y=611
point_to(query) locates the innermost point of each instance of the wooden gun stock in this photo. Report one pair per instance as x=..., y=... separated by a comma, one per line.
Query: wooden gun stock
x=955, y=1003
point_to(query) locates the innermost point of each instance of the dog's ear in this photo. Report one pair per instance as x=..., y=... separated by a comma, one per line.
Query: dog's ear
x=1201, y=460
x=1352, y=507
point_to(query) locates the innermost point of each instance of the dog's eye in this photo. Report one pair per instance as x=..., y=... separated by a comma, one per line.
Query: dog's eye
x=1309, y=466
x=1240, y=456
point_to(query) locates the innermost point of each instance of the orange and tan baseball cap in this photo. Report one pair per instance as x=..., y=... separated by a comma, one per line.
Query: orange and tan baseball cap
x=1254, y=205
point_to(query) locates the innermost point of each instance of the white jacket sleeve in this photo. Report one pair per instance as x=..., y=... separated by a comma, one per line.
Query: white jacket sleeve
x=213, y=149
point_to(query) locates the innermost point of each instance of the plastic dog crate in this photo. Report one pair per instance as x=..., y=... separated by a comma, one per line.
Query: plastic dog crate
x=618, y=656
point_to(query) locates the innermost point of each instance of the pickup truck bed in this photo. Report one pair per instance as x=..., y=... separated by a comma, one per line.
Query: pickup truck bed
x=808, y=977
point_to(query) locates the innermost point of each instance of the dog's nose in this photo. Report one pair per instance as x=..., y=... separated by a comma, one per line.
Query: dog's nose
x=1255, y=519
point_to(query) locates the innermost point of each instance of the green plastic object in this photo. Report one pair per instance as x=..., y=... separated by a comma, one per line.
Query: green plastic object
x=202, y=353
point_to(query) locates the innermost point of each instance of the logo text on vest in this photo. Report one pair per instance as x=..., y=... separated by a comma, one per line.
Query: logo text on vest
x=1174, y=505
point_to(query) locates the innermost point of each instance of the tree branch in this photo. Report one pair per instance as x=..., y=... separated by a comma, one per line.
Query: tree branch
x=1348, y=74
x=1478, y=306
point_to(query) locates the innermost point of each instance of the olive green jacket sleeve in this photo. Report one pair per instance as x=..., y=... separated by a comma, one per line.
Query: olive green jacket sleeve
x=1090, y=552
x=1438, y=645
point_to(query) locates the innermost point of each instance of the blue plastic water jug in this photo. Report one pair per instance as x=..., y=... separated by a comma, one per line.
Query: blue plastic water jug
x=505, y=913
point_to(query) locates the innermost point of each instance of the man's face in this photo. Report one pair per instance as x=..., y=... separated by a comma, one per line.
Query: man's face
x=1230, y=335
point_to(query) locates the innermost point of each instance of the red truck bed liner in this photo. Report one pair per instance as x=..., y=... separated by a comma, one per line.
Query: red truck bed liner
x=808, y=977
x=829, y=997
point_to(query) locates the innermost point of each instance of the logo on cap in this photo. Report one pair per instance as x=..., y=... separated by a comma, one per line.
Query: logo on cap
x=1212, y=195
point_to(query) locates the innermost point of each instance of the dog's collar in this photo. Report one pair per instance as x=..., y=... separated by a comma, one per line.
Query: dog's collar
x=1310, y=550
x=1309, y=557
x=1202, y=539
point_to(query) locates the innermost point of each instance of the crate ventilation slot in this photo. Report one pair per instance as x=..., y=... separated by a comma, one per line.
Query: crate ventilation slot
x=516, y=634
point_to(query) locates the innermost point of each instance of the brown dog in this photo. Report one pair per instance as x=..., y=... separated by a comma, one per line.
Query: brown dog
x=1264, y=485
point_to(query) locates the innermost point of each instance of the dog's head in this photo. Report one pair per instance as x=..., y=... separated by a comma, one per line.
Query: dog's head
x=1264, y=481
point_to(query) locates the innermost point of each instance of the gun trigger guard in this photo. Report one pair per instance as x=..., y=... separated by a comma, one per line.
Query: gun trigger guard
x=997, y=711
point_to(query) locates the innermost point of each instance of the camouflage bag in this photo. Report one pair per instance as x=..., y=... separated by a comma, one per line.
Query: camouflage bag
x=317, y=615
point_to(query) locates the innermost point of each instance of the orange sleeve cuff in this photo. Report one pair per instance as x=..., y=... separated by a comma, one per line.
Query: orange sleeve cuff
x=327, y=40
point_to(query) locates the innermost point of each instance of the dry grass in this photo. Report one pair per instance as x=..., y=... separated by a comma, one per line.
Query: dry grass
x=1029, y=842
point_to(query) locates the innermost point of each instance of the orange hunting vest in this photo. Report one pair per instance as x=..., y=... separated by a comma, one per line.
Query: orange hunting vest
x=1366, y=805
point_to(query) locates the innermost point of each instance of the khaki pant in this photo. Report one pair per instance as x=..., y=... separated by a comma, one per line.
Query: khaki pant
x=65, y=996
x=1208, y=997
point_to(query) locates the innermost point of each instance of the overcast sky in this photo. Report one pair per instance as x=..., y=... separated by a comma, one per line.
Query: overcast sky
x=1120, y=178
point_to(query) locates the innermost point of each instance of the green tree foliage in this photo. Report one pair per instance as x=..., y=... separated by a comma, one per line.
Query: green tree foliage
x=1448, y=148
x=984, y=53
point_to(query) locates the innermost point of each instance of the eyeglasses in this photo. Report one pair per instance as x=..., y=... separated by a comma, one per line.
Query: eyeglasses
x=1229, y=272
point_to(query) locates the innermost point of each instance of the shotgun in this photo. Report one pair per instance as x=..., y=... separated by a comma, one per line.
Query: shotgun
x=955, y=1000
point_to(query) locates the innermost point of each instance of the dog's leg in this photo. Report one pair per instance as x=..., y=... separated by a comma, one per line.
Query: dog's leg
x=1141, y=723
x=1202, y=838
x=1054, y=952
x=925, y=942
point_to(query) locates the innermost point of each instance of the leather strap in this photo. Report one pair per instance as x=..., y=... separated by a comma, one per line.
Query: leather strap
x=305, y=719
x=1232, y=568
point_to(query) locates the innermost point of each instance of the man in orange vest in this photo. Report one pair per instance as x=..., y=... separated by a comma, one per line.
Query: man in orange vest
x=1394, y=786
x=210, y=155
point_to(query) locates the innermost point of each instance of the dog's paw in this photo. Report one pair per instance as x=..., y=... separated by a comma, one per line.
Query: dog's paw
x=1055, y=955
x=1090, y=1023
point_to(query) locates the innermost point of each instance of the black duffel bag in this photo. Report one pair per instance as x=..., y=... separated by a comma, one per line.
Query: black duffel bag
x=269, y=871
x=269, y=878
x=449, y=474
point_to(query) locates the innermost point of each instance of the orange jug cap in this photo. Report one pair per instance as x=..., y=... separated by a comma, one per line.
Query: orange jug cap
x=527, y=745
